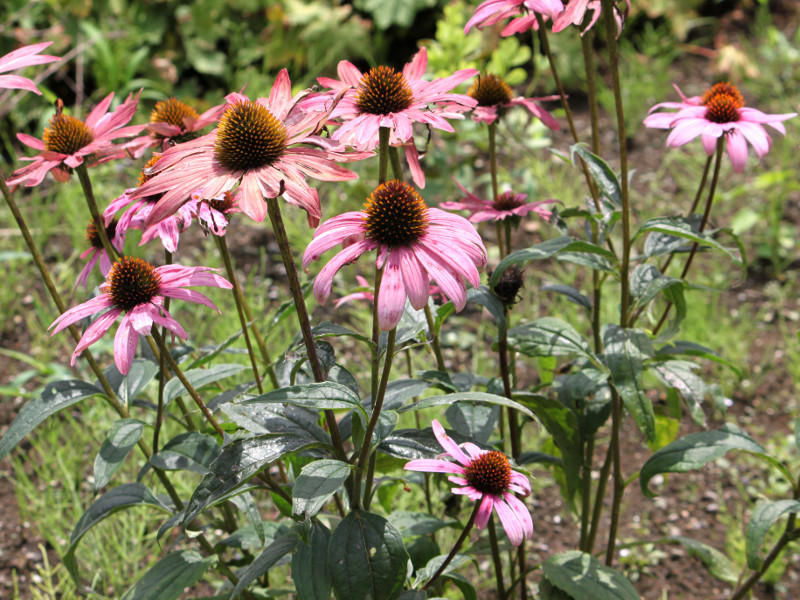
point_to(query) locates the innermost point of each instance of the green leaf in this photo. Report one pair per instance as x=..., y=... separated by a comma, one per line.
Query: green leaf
x=763, y=518
x=680, y=227
x=328, y=329
x=465, y=397
x=209, y=353
x=127, y=387
x=484, y=296
x=55, y=397
x=590, y=260
x=693, y=349
x=167, y=579
x=310, y=564
x=245, y=503
x=695, y=450
x=316, y=396
x=366, y=558
x=316, y=483
x=199, y=378
x=571, y=293
x=719, y=565
x=679, y=375
x=191, y=451
x=476, y=421
x=424, y=575
x=411, y=524
x=121, y=439
x=114, y=500
x=264, y=562
x=647, y=282
x=603, y=175
x=583, y=577
x=237, y=463
x=625, y=352
x=549, y=336
x=261, y=419
x=393, y=12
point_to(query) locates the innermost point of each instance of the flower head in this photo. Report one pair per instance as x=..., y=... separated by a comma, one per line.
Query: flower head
x=69, y=142
x=138, y=289
x=415, y=245
x=484, y=476
x=19, y=59
x=719, y=112
x=260, y=145
x=384, y=97
x=507, y=206
x=523, y=11
x=494, y=97
x=97, y=252
x=576, y=10
x=210, y=212
x=174, y=122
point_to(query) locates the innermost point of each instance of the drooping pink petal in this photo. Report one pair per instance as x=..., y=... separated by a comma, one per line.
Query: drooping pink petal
x=448, y=444
x=485, y=511
x=392, y=296
x=125, y=342
x=429, y=465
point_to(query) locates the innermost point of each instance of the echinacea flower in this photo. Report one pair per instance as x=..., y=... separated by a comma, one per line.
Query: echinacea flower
x=719, y=112
x=210, y=212
x=415, y=245
x=508, y=206
x=138, y=289
x=174, y=122
x=68, y=142
x=168, y=229
x=576, y=10
x=494, y=11
x=485, y=476
x=97, y=252
x=20, y=58
x=383, y=97
x=260, y=145
x=368, y=294
x=494, y=97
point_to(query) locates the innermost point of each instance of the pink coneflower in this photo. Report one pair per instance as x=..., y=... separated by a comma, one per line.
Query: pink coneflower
x=508, y=206
x=382, y=97
x=168, y=229
x=20, y=58
x=415, y=244
x=174, y=122
x=258, y=146
x=68, y=142
x=210, y=212
x=494, y=97
x=494, y=11
x=97, y=253
x=484, y=476
x=576, y=10
x=138, y=289
x=719, y=112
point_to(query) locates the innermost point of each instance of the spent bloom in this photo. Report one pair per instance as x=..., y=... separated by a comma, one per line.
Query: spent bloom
x=211, y=212
x=719, y=112
x=173, y=122
x=69, y=142
x=415, y=245
x=263, y=146
x=137, y=289
x=484, y=476
x=494, y=97
x=384, y=97
x=507, y=206
x=97, y=252
x=19, y=59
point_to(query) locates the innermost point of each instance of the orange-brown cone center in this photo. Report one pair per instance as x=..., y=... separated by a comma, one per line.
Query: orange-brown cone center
x=382, y=91
x=396, y=214
x=490, y=473
x=132, y=281
x=249, y=137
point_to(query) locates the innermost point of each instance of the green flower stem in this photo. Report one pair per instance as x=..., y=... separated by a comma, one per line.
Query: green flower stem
x=302, y=316
x=394, y=159
x=493, y=160
x=383, y=154
x=456, y=547
x=376, y=335
x=237, y=296
x=189, y=388
x=502, y=350
x=377, y=405
x=498, y=562
x=703, y=222
x=86, y=184
x=600, y=495
x=437, y=349
x=163, y=374
x=586, y=492
x=587, y=46
x=418, y=421
x=190, y=424
x=522, y=561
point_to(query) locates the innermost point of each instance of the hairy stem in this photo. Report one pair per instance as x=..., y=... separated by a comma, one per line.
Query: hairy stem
x=437, y=349
x=456, y=547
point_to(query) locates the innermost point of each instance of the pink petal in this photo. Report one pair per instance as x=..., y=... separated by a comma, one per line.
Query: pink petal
x=324, y=281
x=522, y=513
x=737, y=150
x=429, y=465
x=511, y=522
x=392, y=296
x=415, y=278
x=485, y=511
x=125, y=343
x=448, y=444
x=82, y=311
x=94, y=332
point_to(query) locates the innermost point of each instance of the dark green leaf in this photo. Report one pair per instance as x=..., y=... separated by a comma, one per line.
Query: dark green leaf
x=199, y=378
x=681, y=228
x=316, y=483
x=719, y=565
x=167, y=579
x=763, y=518
x=548, y=336
x=55, y=397
x=209, y=353
x=531, y=457
x=571, y=293
x=484, y=296
x=625, y=352
x=592, y=261
x=366, y=558
x=647, y=282
x=410, y=524
x=318, y=396
x=693, y=349
x=424, y=575
x=114, y=500
x=680, y=375
x=245, y=503
x=121, y=439
x=262, y=419
x=603, y=175
x=191, y=451
x=264, y=562
x=585, y=578
x=401, y=390
x=328, y=329
x=127, y=387
x=312, y=579
x=465, y=397
x=476, y=421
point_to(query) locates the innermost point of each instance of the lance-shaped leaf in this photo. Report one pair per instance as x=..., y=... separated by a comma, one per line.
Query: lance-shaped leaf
x=310, y=565
x=191, y=451
x=647, y=282
x=584, y=577
x=317, y=396
x=366, y=558
x=120, y=441
x=549, y=336
x=482, y=397
x=167, y=579
x=763, y=518
x=316, y=483
x=682, y=347
x=626, y=351
x=328, y=329
x=127, y=387
x=476, y=421
x=680, y=375
x=114, y=500
x=680, y=227
x=484, y=296
x=264, y=562
x=603, y=175
x=717, y=563
x=55, y=397
x=199, y=378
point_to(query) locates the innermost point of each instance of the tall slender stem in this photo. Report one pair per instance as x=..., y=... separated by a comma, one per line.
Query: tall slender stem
x=600, y=495
x=437, y=349
x=502, y=351
x=383, y=154
x=86, y=184
x=498, y=562
x=237, y=296
x=493, y=160
x=163, y=374
x=586, y=492
x=456, y=547
x=302, y=315
x=376, y=336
